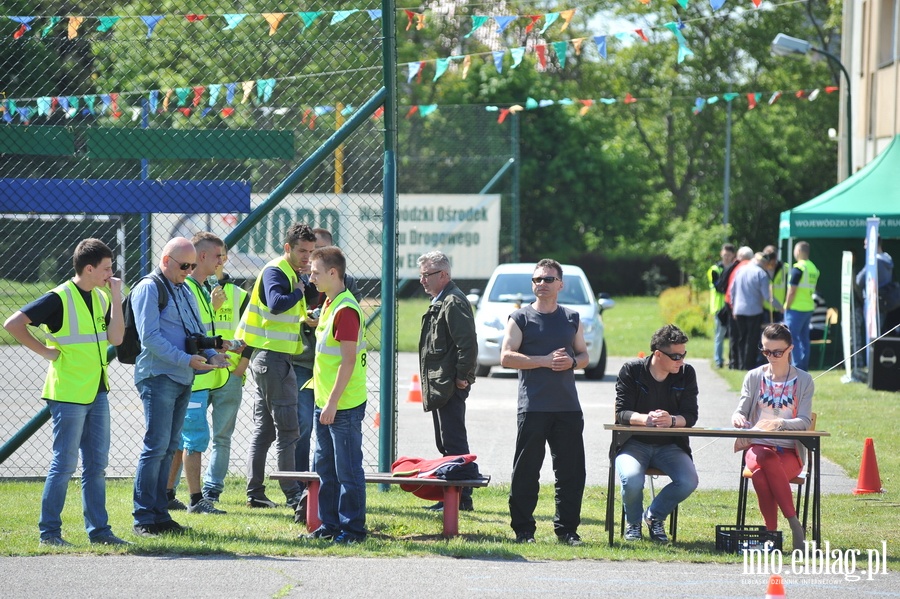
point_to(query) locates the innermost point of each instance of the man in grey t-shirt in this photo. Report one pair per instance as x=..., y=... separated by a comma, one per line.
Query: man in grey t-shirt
x=545, y=343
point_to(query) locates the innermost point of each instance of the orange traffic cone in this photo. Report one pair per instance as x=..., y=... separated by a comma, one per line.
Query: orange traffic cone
x=377, y=421
x=415, y=391
x=641, y=354
x=775, y=590
x=869, y=480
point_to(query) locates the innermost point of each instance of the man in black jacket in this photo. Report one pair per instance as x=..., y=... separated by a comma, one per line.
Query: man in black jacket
x=657, y=391
x=447, y=351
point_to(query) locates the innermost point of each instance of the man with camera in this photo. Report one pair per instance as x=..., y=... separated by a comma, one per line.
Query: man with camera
x=271, y=326
x=171, y=354
x=219, y=389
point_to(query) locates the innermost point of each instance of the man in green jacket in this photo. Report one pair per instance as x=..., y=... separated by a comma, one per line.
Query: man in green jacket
x=447, y=351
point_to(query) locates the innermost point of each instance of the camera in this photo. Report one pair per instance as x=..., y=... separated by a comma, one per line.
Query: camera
x=314, y=314
x=197, y=342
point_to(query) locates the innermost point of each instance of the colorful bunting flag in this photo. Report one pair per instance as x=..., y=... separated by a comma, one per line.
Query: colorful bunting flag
x=567, y=17
x=441, y=67
x=774, y=98
x=517, y=55
x=412, y=110
x=549, y=19
x=74, y=24
x=477, y=21
x=716, y=4
x=730, y=96
x=53, y=22
x=274, y=20
x=608, y=101
x=413, y=70
x=629, y=99
x=467, y=62
x=534, y=20
x=193, y=18
x=683, y=3
x=683, y=50
x=230, y=89
x=577, y=44
x=374, y=14
x=751, y=101
x=831, y=88
x=561, y=48
x=498, y=59
x=247, y=88
x=541, y=51
x=24, y=25
x=153, y=100
x=531, y=104
x=214, y=91
x=151, y=21
x=107, y=23
x=698, y=105
x=182, y=94
x=309, y=17
x=640, y=33
x=340, y=15
x=586, y=106
x=813, y=95
x=198, y=95
x=418, y=17
x=233, y=20
x=426, y=109
x=44, y=106
x=503, y=114
x=503, y=22
x=600, y=40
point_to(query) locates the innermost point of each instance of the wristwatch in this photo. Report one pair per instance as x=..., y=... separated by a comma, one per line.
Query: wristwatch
x=574, y=363
x=673, y=422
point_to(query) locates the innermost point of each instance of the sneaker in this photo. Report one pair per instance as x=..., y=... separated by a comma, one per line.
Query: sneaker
x=525, y=537
x=148, y=531
x=633, y=532
x=205, y=506
x=170, y=527
x=437, y=507
x=211, y=496
x=657, y=528
x=348, y=538
x=176, y=505
x=109, y=539
x=261, y=502
x=56, y=542
x=320, y=534
x=571, y=539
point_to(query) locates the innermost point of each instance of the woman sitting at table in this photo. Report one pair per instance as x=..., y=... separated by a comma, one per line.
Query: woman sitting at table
x=774, y=397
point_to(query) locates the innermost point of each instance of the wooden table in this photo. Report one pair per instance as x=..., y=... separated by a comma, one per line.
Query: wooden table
x=809, y=439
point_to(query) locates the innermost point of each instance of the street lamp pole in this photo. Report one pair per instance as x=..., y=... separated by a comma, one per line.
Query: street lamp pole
x=785, y=45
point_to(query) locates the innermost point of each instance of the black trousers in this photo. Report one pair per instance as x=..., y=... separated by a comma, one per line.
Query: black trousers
x=450, y=435
x=750, y=334
x=562, y=431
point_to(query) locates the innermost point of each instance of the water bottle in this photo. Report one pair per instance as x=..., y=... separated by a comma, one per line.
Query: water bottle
x=212, y=281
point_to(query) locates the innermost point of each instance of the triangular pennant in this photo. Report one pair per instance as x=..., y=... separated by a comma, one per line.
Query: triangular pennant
x=63, y=103
x=309, y=17
x=114, y=105
x=730, y=96
x=531, y=104
x=274, y=20
x=683, y=52
x=412, y=110
x=193, y=18
x=751, y=101
x=426, y=109
x=561, y=48
x=477, y=21
x=247, y=88
x=265, y=88
x=214, y=90
x=516, y=108
x=24, y=25
x=683, y=3
x=413, y=70
x=716, y=4
x=534, y=19
x=498, y=59
x=549, y=19
x=774, y=98
x=587, y=106
x=226, y=112
x=813, y=95
x=44, y=106
x=565, y=102
x=206, y=112
x=135, y=113
x=18, y=33
x=600, y=40
x=503, y=22
x=230, y=89
x=320, y=110
x=379, y=112
x=467, y=62
x=545, y=103
x=699, y=103
x=340, y=15
x=756, y=3
x=107, y=23
x=198, y=95
x=629, y=99
x=74, y=24
x=800, y=94
x=10, y=111
x=831, y=88
x=232, y=20
x=89, y=102
x=25, y=114
x=49, y=26
x=182, y=94
x=374, y=14
x=151, y=21
x=503, y=114
x=640, y=33
x=441, y=67
x=577, y=44
x=567, y=17
x=541, y=51
x=410, y=17
x=73, y=102
x=712, y=100
x=185, y=111
x=153, y=100
x=517, y=55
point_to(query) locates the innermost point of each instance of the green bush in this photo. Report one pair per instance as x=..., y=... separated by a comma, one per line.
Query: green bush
x=693, y=321
x=679, y=306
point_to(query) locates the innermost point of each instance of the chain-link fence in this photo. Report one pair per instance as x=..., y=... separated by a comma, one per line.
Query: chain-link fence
x=134, y=123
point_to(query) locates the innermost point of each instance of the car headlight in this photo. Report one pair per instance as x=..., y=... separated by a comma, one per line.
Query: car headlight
x=589, y=325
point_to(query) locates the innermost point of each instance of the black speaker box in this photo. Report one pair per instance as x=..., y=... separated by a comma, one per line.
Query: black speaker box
x=884, y=365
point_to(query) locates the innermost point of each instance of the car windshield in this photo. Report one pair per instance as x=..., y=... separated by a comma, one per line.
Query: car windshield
x=515, y=287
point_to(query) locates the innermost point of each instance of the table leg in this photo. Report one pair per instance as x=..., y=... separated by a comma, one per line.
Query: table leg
x=611, y=500
x=817, y=504
x=451, y=511
x=312, y=506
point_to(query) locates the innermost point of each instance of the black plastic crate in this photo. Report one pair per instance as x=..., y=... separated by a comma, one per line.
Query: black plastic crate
x=735, y=539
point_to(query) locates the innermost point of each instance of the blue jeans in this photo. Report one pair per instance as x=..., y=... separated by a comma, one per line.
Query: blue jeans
x=306, y=405
x=798, y=323
x=342, y=494
x=165, y=405
x=85, y=428
x=225, y=402
x=195, y=432
x=719, y=341
x=631, y=464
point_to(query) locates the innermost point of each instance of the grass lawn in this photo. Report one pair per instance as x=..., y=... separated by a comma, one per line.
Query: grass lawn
x=400, y=527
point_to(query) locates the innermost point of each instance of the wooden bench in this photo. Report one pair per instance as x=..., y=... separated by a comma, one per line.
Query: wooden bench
x=451, y=493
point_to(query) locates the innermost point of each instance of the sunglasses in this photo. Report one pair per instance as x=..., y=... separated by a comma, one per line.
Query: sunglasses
x=537, y=280
x=673, y=357
x=186, y=265
x=773, y=353
x=425, y=275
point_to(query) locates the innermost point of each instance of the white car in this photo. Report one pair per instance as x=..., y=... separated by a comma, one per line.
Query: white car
x=509, y=288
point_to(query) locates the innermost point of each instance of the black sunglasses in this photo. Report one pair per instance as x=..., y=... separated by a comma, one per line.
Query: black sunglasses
x=774, y=353
x=673, y=357
x=537, y=280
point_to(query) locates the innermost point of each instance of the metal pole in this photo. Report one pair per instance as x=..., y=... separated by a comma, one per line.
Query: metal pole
x=387, y=430
x=836, y=61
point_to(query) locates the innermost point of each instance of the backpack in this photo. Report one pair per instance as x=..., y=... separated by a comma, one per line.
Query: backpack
x=127, y=352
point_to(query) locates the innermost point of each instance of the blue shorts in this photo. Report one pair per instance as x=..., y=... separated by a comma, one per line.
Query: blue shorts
x=195, y=433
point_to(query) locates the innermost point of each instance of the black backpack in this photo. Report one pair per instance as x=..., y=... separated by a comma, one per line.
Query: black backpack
x=127, y=352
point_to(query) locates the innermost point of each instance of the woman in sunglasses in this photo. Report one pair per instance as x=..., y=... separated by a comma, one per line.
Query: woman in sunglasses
x=776, y=396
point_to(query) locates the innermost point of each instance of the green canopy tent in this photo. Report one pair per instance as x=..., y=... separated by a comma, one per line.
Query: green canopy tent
x=835, y=221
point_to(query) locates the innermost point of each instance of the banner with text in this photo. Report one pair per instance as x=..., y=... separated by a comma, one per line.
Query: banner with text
x=465, y=227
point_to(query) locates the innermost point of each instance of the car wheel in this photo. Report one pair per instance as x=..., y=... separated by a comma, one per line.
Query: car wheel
x=482, y=370
x=599, y=371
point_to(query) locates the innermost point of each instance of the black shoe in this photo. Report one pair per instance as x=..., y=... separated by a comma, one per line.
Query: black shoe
x=347, y=538
x=657, y=528
x=148, y=531
x=320, y=534
x=176, y=505
x=109, y=539
x=437, y=507
x=466, y=506
x=170, y=527
x=260, y=502
x=525, y=537
x=55, y=542
x=570, y=538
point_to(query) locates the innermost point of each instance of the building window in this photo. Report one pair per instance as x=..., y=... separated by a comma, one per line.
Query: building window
x=887, y=32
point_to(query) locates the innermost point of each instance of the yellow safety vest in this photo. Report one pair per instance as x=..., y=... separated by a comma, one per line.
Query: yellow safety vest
x=74, y=377
x=212, y=379
x=803, y=300
x=779, y=287
x=227, y=318
x=261, y=329
x=716, y=299
x=328, y=357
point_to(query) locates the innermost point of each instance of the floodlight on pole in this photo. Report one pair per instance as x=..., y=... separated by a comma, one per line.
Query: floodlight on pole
x=785, y=45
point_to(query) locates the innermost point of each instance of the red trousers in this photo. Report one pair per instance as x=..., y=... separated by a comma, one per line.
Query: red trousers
x=773, y=468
